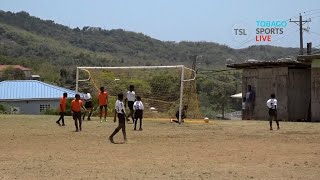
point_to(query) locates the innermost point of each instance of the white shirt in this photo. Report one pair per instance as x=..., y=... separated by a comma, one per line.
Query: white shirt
x=119, y=107
x=138, y=105
x=131, y=96
x=272, y=103
x=243, y=105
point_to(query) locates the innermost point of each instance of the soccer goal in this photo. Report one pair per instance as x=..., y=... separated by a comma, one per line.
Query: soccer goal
x=163, y=89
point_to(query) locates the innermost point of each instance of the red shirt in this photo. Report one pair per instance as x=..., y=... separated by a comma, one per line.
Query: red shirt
x=103, y=98
x=63, y=104
x=76, y=105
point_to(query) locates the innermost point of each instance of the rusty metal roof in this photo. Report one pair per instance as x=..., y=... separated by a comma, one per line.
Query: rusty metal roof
x=308, y=58
x=283, y=62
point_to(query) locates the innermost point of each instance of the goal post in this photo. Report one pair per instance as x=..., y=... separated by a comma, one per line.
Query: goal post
x=191, y=76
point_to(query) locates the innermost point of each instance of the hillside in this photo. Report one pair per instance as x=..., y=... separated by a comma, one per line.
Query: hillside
x=53, y=51
x=24, y=37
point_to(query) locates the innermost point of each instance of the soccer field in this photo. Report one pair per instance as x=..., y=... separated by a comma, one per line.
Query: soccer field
x=34, y=147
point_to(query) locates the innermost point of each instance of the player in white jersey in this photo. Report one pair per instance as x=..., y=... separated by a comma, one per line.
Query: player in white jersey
x=120, y=112
x=138, y=112
x=131, y=98
x=273, y=105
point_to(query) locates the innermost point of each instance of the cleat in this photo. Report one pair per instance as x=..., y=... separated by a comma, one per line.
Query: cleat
x=111, y=139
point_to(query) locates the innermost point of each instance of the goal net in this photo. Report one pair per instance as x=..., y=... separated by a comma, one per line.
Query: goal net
x=164, y=89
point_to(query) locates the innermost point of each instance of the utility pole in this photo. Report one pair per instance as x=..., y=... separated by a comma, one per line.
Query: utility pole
x=301, y=23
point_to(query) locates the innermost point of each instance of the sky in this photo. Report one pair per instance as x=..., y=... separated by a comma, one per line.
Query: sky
x=183, y=20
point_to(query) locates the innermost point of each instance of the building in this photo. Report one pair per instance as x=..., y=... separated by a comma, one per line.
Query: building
x=288, y=79
x=26, y=71
x=31, y=96
x=314, y=62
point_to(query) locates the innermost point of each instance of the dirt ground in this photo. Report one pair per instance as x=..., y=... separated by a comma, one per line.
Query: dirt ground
x=34, y=147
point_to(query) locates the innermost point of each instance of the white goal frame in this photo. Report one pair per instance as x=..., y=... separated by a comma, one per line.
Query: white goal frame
x=182, y=80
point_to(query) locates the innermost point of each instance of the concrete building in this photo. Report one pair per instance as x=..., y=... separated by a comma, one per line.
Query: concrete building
x=31, y=96
x=288, y=79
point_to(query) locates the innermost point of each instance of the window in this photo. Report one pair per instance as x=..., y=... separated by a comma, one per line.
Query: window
x=44, y=107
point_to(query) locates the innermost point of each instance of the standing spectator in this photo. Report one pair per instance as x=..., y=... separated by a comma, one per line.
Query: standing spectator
x=250, y=102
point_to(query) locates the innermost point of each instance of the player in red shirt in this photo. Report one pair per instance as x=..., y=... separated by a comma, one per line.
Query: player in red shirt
x=103, y=103
x=62, y=109
x=76, y=106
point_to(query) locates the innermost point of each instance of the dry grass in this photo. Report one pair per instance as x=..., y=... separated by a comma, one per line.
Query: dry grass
x=34, y=147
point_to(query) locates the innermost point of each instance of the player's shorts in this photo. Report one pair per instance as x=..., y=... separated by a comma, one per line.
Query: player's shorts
x=273, y=112
x=130, y=104
x=122, y=119
x=76, y=115
x=62, y=113
x=138, y=114
x=88, y=104
x=101, y=107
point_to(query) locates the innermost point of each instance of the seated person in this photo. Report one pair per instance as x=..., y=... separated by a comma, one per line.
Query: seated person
x=183, y=115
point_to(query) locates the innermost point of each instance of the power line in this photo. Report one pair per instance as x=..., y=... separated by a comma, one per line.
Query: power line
x=314, y=33
x=311, y=14
x=314, y=17
x=307, y=13
x=301, y=22
x=284, y=35
x=311, y=10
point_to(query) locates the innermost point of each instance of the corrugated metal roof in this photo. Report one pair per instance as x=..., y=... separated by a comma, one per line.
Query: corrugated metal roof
x=31, y=89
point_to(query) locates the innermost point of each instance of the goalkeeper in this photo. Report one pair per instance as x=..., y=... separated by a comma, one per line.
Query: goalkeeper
x=183, y=115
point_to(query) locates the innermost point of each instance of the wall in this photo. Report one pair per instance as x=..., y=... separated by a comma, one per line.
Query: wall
x=315, y=90
x=266, y=81
x=299, y=92
x=27, y=73
x=33, y=107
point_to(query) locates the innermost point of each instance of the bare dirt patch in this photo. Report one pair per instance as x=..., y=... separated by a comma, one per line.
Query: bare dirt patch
x=34, y=147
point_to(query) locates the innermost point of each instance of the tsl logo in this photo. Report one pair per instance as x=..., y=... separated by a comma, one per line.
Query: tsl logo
x=264, y=30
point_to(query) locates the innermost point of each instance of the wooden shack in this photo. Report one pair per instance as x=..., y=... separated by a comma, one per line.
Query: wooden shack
x=288, y=79
x=314, y=62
